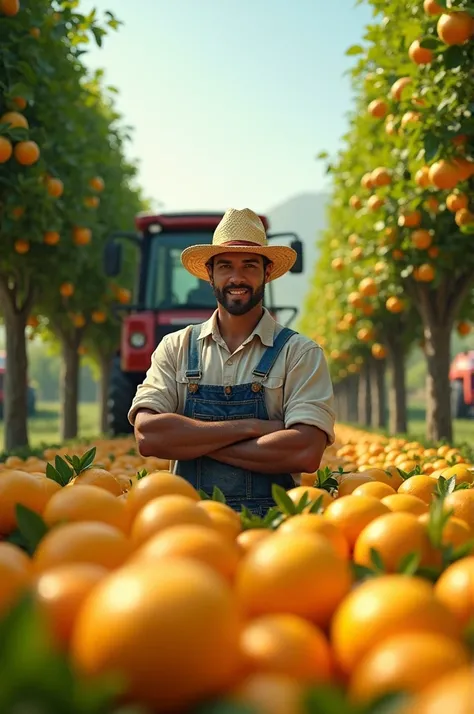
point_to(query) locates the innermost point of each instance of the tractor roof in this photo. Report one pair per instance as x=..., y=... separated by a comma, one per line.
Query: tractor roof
x=189, y=221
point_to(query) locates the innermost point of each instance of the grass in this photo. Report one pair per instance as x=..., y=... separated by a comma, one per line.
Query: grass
x=43, y=428
x=463, y=429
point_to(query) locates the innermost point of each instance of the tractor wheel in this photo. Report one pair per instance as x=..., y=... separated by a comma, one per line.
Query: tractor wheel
x=459, y=409
x=122, y=388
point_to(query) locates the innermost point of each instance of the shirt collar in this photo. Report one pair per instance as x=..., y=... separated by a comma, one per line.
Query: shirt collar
x=265, y=329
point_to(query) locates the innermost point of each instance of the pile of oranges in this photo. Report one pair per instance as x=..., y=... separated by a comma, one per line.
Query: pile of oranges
x=357, y=586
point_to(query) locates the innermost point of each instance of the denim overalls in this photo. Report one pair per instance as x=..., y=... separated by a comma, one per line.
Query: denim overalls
x=209, y=402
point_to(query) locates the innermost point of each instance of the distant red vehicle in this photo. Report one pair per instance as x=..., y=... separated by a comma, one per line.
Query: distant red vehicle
x=167, y=297
x=31, y=394
x=461, y=375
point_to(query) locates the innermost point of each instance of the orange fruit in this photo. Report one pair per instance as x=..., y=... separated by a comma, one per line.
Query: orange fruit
x=394, y=536
x=51, y=238
x=375, y=489
x=86, y=542
x=462, y=504
x=59, y=594
x=381, y=607
x=164, y=512
x=97, y=183
x=66, y=289
x=269, y=694
x=406, y=662
x=18, y=487
x=192, y=541
x=15, y=575
x=455, y=531
x=15, y=120
x=316, y=523
x=26, y=152
x=422, y=177
x=378, y=108
x=455, y=589
x=455, y=28
x=55, y=187
x=420, y=55
x=456, y=201
x=86, y=503
x=352, y=513
x=421, y=239
x=223, y=518
x=299, y=573
x=397, y=87
x=431, y=7
x=155, y=484
x=249, y=538
x=286, y=644
x=460, y=472
x=405, y=502
x=422, y=487
x=98, y=477
x=9, y=7
x=47, y=488
x=313, y=494
x=349, y=482
x=451, y=693
x=172, y=631
x=82, y=236
x=444, y=175
x=6, y=149
x=22, y=246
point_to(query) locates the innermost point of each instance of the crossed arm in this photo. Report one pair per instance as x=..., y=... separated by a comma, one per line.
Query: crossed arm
x=254, y=444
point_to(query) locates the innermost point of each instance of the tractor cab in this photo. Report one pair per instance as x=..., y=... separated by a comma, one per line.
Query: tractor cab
x=166, y=297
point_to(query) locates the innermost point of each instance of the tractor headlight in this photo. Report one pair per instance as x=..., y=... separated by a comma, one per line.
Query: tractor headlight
x=137, y=340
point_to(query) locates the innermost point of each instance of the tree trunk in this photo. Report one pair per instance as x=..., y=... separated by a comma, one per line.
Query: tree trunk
x=16, y=381
x=398, y=422
x=353, y=391
x=378, y=393
x=15, y=301
x=105, y=370
x=69, y=388
x=364, y=397
x=439, y=423
x=438, y=308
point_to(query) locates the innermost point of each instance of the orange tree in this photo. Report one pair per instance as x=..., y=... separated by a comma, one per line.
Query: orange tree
x=79, y=297
x=49, y=171
x=408, y=166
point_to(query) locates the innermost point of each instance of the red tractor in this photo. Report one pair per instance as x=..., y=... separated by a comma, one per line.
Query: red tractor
x=461, y=375
x=167, y=297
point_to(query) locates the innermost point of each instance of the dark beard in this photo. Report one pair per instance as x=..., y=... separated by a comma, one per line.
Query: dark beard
x=236, y=306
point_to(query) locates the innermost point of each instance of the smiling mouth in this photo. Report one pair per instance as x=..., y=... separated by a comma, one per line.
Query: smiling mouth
x=237, y=292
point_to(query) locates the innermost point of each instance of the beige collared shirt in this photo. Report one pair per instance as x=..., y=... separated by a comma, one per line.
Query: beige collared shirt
x=297, y=391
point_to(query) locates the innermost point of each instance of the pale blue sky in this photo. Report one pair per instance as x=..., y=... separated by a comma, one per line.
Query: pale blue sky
x=230, y=100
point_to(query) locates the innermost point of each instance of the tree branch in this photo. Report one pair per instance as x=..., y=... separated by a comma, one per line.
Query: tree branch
x=459, y=293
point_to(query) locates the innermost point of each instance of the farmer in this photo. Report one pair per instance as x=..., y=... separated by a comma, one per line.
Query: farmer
x=237, y=402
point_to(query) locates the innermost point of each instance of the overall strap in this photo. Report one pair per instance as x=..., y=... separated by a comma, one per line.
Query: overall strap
x=194, y=355
x=270, y=355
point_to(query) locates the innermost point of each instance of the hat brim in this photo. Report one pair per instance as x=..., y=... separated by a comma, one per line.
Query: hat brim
x=195, y=257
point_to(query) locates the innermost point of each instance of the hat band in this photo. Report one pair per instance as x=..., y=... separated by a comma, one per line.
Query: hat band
x=242, y=242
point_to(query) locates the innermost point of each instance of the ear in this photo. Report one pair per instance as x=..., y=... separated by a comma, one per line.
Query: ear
x=268, y=271
x=209, y=272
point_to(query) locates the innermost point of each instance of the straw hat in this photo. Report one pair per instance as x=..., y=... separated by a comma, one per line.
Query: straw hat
x=240, y=231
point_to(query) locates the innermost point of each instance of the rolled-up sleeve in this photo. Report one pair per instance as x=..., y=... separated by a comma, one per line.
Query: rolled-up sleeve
x=308, y=393
x=158, y=391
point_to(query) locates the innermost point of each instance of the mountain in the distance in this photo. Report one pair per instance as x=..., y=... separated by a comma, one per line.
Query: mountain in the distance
x=305, y=215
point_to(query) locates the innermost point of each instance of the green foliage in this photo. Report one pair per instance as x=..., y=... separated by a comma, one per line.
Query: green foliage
x=429, y=120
